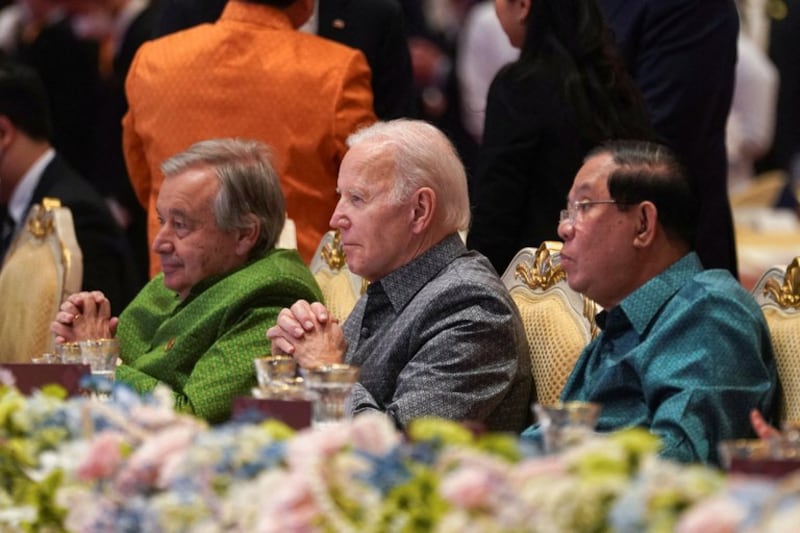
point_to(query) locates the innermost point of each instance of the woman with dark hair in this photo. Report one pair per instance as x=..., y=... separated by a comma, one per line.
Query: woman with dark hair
x=567, y=92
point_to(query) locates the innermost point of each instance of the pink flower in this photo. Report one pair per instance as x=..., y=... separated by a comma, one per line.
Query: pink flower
x=103, y=457
x=310, y=446
x=144, y=465
x=551, y=466
x=374, y=433
x=291, y=509
x=6, y=377
x=469, y=487
x=718, y=514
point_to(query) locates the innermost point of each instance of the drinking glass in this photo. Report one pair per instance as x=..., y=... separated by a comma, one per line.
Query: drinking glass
x=101, y=355
x=47, y=358
x=332, y=386
x=69, y=352
x=275, y=370
x=566, y=424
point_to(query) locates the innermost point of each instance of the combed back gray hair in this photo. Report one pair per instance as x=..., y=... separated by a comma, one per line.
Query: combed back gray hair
x=248, y=185
x=418, y=154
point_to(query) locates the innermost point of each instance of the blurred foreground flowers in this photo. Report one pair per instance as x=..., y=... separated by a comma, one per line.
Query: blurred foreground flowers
x=134, y=464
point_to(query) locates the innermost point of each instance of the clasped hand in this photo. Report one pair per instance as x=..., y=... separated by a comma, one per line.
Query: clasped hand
x=307, y=332
x=84, y=315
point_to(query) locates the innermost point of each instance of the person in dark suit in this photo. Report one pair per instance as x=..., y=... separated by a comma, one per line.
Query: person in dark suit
x=682, y=55
x=30, y=170
x=131, y=25
x=567, y=92
x=373, y=26
x=42, y=37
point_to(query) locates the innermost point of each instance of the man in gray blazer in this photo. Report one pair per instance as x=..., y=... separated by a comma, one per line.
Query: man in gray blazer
x=436, y=333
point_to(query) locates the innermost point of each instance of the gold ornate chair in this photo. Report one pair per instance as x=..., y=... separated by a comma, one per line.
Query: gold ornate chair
x=43, y=265
x=778, y=294
x=559, y=322
x=341, y=289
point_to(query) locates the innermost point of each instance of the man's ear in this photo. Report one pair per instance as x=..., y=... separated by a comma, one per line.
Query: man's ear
x=647, y=218
x=423, y=209
x=524, y=11
x=247, y=237
x=6, y=130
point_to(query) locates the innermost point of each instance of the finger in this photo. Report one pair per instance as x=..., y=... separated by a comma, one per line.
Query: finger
x=301, y=310
x=69, y=307
x=761, y=427
x=88, y=306
x=289, y=325
x=61, y=331
x=104, y=309
x=321, y=312
x=98, y=297
x=281, y=346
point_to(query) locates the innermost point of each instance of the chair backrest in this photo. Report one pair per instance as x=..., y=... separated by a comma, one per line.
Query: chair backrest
x=43, y=265
x=288, y=236
x=341, y=289
x=778, y=294
x=559, y=322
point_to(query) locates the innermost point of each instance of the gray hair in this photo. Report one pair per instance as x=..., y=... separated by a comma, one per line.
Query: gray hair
x=248, y=183
x=417, y=154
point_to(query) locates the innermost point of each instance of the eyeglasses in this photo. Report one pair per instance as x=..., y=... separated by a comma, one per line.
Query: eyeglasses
x=580, y=207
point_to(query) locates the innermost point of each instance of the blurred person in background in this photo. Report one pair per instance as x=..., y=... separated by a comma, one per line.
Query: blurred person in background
x=567, y=92
x=682, y=56
x=31, y=169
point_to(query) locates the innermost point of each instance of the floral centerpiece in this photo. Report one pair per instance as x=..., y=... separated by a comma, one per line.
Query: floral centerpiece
x=133, y=464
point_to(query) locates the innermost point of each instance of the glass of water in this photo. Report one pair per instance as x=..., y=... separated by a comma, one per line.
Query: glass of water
x=332, y=387
x=101, y=355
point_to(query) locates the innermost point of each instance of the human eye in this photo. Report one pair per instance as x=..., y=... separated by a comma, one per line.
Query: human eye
x=583, y=206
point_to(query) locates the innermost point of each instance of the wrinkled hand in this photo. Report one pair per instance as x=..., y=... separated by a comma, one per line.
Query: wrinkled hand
x=307, y=332
x=82, y=316
x=761, y=427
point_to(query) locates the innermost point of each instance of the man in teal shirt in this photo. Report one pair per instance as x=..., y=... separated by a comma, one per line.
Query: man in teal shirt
x=198, y=325
x=683, y=351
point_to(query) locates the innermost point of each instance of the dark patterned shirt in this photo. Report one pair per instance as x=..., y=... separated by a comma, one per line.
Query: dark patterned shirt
x=440, y=336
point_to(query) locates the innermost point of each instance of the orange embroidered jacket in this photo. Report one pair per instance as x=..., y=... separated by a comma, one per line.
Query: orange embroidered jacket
x=249, y=75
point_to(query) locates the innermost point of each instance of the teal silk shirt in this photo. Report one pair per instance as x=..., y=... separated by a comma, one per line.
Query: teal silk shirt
x=203, y=347
x=686, y=355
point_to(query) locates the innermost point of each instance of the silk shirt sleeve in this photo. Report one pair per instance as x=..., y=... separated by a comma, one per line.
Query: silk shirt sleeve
x=709, y=364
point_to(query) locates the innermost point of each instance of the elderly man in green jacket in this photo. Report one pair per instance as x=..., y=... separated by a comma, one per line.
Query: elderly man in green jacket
x=198, y=325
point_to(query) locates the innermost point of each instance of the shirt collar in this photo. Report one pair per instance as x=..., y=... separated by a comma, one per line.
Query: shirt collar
x=259, y=14
x=642, y=305
x=23, y=192
x=402, y=284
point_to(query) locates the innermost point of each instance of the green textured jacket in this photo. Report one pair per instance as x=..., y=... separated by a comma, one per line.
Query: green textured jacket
x=203, y=347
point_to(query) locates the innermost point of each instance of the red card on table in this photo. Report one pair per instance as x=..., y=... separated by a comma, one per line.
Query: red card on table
x=30, y=376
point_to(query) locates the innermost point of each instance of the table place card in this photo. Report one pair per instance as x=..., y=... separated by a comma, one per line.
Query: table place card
x=294, y=413
x=31, y=376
